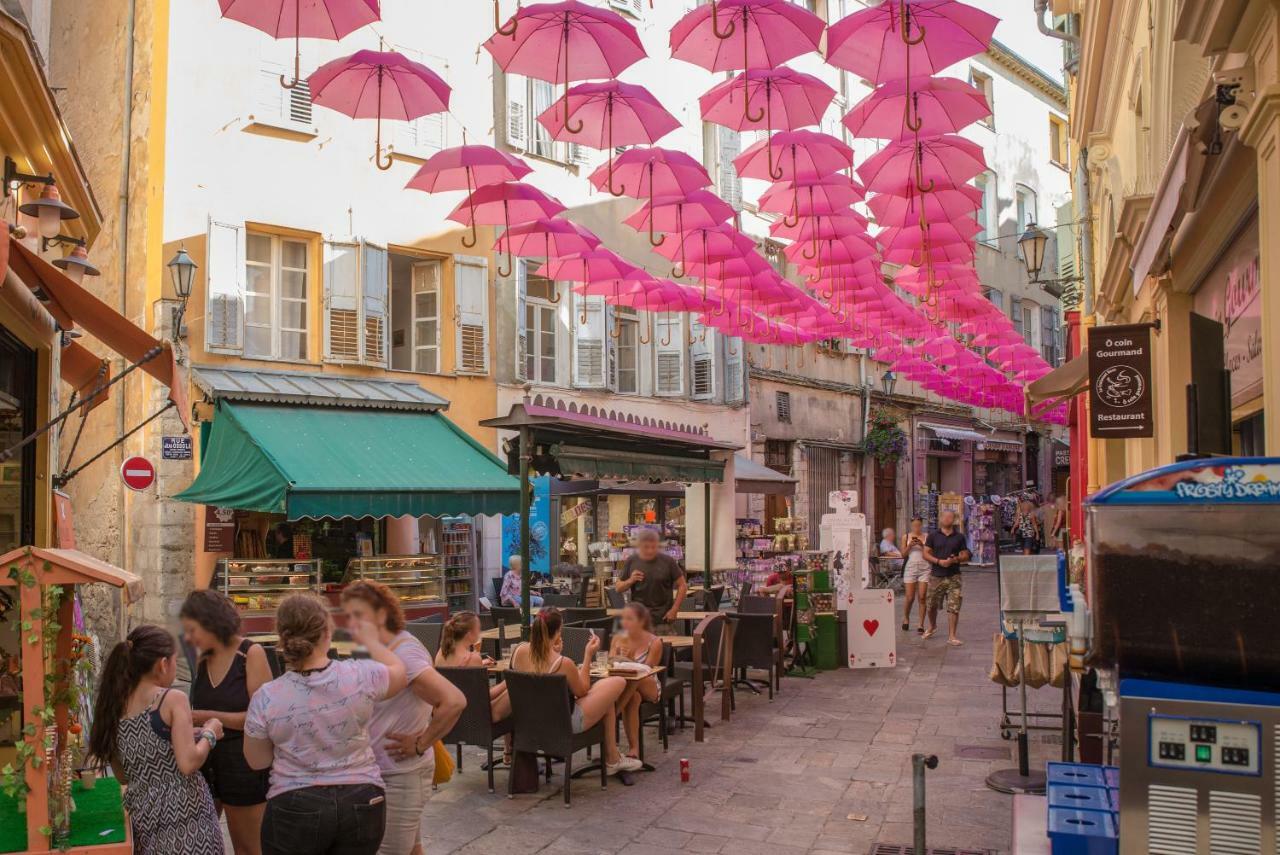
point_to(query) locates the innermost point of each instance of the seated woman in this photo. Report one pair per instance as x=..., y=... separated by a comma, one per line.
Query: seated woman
x=541, y=655
x=636, y=643
x=459, y=643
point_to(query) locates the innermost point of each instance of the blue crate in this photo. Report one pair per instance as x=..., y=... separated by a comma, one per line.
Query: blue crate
x=1079, y=798
x=1082, y=832
x=1076, y=774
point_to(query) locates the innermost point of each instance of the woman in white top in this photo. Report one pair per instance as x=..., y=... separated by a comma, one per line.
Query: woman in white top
x=915, y=574
x=405, y=727
x=595, y=702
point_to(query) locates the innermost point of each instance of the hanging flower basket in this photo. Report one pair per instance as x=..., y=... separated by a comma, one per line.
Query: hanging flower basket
x=885, y=441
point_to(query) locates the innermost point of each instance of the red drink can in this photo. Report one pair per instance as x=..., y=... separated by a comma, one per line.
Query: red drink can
x=684, y=770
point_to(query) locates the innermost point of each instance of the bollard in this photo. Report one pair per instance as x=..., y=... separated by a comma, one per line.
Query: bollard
x=918, y=764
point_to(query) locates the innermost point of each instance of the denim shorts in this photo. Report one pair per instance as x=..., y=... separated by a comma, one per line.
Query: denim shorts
x=576, y=718
x=346, y=819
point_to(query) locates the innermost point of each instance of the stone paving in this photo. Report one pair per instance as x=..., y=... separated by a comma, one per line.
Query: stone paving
x=824, y=768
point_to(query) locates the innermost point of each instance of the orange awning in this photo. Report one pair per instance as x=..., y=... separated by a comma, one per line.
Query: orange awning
x=70, y=304
x=83, y=370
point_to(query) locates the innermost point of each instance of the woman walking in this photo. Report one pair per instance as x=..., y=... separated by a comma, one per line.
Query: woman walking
x=1026, y=528
x=915, y=573
x=230, y=669
x=405, y=727
x=311, y=726
x=145, y=732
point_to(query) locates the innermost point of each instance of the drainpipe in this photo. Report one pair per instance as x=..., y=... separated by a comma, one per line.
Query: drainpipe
x=1081, y=471
x=122, y=247
x=1041, y=7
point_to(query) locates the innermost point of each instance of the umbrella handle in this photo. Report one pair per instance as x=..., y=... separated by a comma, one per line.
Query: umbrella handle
x=506, y=221
x=693, y=339
x=297, y=50
x=615, y=332
x=677, y=270
x=721, y=310
x=746, y=108
x=377, y=140
x=793, y=219
x=475, y=236
x=557, y=298
x=641, y=338
x=497, y=21
x=906, y=27
x=652, y=234
x=911, y=111
x=812, y=255
x=666, y=340
x=568, y=124
x=622, y=189
x=715, y=23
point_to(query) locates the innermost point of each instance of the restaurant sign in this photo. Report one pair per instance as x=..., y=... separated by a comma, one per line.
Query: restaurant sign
x=1120, y=382
x=1231, y=294
x=219, y=529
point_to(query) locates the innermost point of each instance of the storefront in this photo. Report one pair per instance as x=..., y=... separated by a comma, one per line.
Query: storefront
x=311, y=481
x=998, y=464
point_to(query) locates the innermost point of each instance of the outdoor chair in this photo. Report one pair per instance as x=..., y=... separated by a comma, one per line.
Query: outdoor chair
x=755, y=646
x=712, y=597
x=505, y=614
x=497, y=589
x=273, y=659
x=543, y=723
x=602, y=627
x=575, y=643
x=744, y=591
x=713, y=672
x=434, y=617
x=579, y=614
x=560, y=601
x=617, y=600
x=476, y=725
x=672, y=690
x=428, y=633
x=757, y=605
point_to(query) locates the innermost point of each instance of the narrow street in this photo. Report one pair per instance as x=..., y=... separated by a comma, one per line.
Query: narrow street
x=825, y=767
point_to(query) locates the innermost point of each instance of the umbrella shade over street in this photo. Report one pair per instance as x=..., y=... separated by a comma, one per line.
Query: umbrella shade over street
x=652, y=172
x=904, y=38
x=927, y=107
x=733, y=34
x=946, y=162
x=767, y=99
x=302, y=19
x=794, y=155
x=467, y=167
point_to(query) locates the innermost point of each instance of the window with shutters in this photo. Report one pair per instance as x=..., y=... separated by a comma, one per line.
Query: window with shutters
x=422, y=137
x=416, y=294
x=987, y=215
x=589, y=342
x=625, y=353
x=277, y=275
x=471, y=291
x=542, y=328
x=634, y=8
x=720, y=146
x=996, y=297
x=984, y=83
x=1050, y=335
x=702, y=363
x=734, y=379
x=669, y=348
x=1030, y=323
x=356, y=283
x=1026, y=206
x=225, y=287
x=290, y=109
x=782, y=400
x=526, y=100
x=1058, y=136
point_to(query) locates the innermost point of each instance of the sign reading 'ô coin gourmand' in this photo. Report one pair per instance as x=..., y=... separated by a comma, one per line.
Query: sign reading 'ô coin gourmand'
x=1120, y=382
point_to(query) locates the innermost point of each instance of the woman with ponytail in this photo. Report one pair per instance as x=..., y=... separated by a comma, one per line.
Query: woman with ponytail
x=594, y=702
x=145, y=733
x=311, y=727
x=459, y=643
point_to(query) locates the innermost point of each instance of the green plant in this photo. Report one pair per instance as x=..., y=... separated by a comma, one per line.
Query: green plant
x=885, y=440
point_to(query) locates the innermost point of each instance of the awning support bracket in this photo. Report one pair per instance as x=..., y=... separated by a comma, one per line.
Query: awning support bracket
x=65, y=414
x=62, y=478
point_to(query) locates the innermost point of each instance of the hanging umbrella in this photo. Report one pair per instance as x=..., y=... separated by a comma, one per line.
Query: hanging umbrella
x=926, y=107
x=653, y=172
x=372, y=84
x=467, y=167
x=700, y=209
x=734, y=34
x=609, y=114
x=832, y=195
x=934, y=234
x=893, y=209
x=565, y=41
x=826, y=226
x=902, y=38
x=310, y=19
x=546, y=237
x=596, y=265
x=791, y=99
x=941, y=163
x=507, y=204
x=809, y=154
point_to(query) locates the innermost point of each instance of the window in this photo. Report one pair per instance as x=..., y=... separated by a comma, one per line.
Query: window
x=1058, y=151
x=276, y=280
x=416, y=285
x=720, y=146
x=526, y=100
x=734, y=380
x=1026, y=200
x=280, y=107
x=356, y=279
x=782, y=401
x=1050, y=345
x=669, y=349
x=778, y=454
x=625, y=354
x=634, y=8
x=702, y=363
x=589, y=342
x=471, y=296
x=986, y=214
x=1031, y=323
x=542, y=328
x=996, y=298
x=984, y=83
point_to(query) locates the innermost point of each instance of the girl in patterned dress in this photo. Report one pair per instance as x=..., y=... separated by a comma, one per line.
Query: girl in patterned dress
x=144, y=731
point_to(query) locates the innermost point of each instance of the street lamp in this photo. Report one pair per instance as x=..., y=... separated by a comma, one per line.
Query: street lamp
x=182, y=270
x=888, y=381
x=1032, y=243
x=77, y=264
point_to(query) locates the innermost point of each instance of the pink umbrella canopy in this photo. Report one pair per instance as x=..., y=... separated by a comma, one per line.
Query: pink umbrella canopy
x=372, y=84
x=798, y=154
x=700, y=209
x=833, y=194
x=547, y=237
x=905, y=38
x=784, y=100
x=467, y=167
x=507, y=204
x=565, y=41
x=927, y=107
x=733, y=34
x=891, y=209
x=608, y=114
x=702, y=244
x=309, y=19
x=942, y=163
x=653, y=172
x=592, y=266
x=821, y=227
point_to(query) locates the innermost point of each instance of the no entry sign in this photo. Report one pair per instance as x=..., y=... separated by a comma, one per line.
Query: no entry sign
x=138, y=473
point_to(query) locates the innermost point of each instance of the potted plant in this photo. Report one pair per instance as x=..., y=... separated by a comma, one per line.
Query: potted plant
x=886, y=441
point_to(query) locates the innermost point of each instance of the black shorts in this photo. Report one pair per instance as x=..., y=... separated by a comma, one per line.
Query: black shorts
x=230, y=779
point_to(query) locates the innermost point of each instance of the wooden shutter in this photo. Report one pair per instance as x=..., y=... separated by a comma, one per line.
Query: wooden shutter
x=224, y=286
x=701, y=362
x=669, y=347
x=522, y=330
x=426, y=316
x=734, y=380
x=1015, y=311
x=517, y=111
x=275, y=105
x=341, y=302
x=471, y=280
x=589, y=339
x=373, y=299
x=1049, y=334
x=727, y=180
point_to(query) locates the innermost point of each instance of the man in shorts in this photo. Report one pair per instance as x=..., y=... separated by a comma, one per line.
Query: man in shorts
x=945, y=550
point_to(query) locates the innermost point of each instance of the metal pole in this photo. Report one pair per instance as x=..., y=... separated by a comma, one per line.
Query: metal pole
x=1024, y=762
x=918, y=764
x=526, y=500
x=706, y=534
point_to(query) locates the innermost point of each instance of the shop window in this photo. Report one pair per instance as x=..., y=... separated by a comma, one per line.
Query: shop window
x=984, y=83
x=1058, y=150
x=526, y=100
x=625, y=353
x=277, y=275
x=356, y=279
x=415, y=313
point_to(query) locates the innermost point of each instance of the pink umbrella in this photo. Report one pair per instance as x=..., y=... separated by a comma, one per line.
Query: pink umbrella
x=734, y=34
x=810, y=153
x=890, y=209
x=700, y=209
x=372, y=84
x=833, y=194
x=932, y=234
x=312, y=19
x=546, y=237
x=609, y=114
x=822, y=227
x=653, y=172
x=902, y=38
x=942, y=163
x=565, y=41
x=792, y=99
x=903, y=109
x=506, y=204
x=467, y=167
x=595, y=265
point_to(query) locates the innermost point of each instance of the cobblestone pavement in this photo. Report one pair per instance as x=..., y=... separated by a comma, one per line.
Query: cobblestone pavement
x=824, y=768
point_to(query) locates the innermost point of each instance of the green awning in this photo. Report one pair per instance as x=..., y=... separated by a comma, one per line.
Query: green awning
x=597, y=463
x=331, y=462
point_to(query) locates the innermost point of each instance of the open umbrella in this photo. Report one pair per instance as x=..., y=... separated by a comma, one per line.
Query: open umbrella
x=547, y=237
x=792, y=99
x=902, y=38
x=565, y=41
x=798, y=154
x=372, y=84
x=507, y=204
x=467, y=167
x=891, y=209
x=653, y=172
x=700, y=209
x=927, y=107
x=831, y=195
x=609, y=114
x=311, y=19
x=945, y=162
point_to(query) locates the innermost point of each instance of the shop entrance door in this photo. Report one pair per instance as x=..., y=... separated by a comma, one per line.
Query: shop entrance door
x=886, y=500
x=17, y=419
x=824, y=479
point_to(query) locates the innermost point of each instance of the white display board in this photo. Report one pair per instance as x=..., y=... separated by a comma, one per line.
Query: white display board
x=872, y=640
x=844, y=533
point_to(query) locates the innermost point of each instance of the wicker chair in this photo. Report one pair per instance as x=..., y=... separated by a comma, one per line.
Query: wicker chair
x=543, y=723
x=476, y=725
x=428, y=633
x=755, y=646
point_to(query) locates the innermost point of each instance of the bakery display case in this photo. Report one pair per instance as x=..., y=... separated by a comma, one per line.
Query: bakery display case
x=257, y=585
x=417, y=579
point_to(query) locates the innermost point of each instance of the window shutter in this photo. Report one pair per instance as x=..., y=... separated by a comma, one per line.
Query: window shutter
x=373, y=293
x=589, y=338
x=426, y=316
x=727, y=180
x=224, y=286
x=996, y=298
x=1015, y=311
x=1049, y=334
x=341, y=306
x=669, y=347
x=471, y=280
x=522, y=327
x=517, y=111
x=701, y=362
x=276, y=105
x=733, y=371
x=782, y=401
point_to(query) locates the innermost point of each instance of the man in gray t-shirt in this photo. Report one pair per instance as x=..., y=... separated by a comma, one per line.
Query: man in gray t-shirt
x=655, y=580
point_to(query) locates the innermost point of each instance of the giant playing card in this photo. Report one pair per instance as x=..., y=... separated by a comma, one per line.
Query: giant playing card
x=872, y=641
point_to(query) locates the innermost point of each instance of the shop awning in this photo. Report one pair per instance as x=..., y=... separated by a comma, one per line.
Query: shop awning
x=85, y=371
x=582, y=462
x=751, y=477
x=71, y=305
x=337, y=462
x=1068, y=379
x=955, y=434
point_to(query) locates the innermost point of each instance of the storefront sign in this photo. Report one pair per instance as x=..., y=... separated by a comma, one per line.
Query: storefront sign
x=1231, y=294
x=175, y=447
x=219, y=529
x=1061, y=457
x=1120, y=382
x=570, y=514
x=138, y=473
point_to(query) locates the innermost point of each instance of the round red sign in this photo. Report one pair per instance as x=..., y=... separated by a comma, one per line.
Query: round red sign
x=138, y=473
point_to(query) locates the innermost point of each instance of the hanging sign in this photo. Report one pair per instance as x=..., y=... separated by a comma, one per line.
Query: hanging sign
x=570, y=514
x=175, y=447
x=1120, y=382
x=138, y=473
x=219, y=529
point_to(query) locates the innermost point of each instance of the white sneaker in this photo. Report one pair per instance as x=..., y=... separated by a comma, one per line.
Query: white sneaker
x=630, y=764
